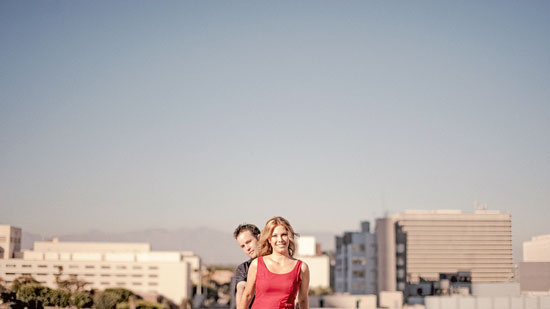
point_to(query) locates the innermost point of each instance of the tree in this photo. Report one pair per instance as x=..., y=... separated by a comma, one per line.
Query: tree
x=122, y=294
x=33, y=294
x=22, y=280
x=320, y=291
x=73, y=284
x=2, y=286
x=105, y=300
x=81, y=299
x=142, y=304
x=58, y=298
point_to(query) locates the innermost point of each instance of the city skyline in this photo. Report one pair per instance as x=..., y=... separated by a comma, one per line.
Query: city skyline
x=133, y=115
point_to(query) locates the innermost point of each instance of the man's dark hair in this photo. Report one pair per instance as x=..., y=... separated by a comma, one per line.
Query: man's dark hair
x=254, y=230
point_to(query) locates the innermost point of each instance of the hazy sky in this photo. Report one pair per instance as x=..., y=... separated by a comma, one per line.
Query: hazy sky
x=123, y=115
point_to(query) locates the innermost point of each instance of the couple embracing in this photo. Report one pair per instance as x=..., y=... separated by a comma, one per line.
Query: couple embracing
x=275, y=279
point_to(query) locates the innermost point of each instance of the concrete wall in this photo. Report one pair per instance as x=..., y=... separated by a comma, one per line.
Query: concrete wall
x=390, y=299
x=534, y=276
x=496, y=289
x=470, y=302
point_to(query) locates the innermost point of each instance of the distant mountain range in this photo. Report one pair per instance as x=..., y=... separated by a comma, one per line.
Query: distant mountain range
x=213, y=246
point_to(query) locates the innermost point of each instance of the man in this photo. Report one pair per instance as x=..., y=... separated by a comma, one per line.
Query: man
x=247, y=236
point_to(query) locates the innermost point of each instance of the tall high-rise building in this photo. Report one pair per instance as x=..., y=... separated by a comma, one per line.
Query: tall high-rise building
x=355, y=269
x=449, y=241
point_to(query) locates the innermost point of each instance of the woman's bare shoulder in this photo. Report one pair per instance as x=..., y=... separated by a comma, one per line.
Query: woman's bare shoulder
x=304, y=267
x=254, y=263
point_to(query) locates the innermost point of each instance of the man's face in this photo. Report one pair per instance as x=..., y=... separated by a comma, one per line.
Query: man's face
x=248, y=243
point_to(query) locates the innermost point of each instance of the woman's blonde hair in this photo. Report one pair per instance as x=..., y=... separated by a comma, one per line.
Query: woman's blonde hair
x=264, y=245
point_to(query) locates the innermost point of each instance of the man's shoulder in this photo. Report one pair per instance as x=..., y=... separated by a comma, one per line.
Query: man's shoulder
x=245, y=265
x=242, y=270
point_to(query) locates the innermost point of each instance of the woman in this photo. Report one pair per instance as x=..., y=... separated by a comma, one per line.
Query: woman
x=275, y=276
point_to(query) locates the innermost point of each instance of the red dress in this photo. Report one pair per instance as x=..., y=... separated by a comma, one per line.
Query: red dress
x=276, y=290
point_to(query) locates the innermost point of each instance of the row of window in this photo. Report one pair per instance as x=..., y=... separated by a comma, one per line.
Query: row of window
x=91, y=275
x=361, y=273
x=124, y=283
x=106, y=283
x=85, y=266
x=13, y=239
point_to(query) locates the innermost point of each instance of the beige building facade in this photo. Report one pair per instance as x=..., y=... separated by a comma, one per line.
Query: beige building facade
x=10, y=241
x=319, y=264
x=449, y=241
x=386, y=255
x=106, y=265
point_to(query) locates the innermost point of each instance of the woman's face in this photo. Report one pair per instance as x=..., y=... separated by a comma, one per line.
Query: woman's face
x=279, y=239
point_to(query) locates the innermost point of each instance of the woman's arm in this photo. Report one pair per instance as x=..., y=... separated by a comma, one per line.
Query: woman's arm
x=303, y=300
x=240, y=290
x=250, y=286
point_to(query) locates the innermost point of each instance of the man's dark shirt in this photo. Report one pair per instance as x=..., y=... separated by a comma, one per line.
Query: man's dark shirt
x=240, y=275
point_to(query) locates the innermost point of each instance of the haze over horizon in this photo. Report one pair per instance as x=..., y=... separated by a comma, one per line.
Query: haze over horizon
x=121, y=116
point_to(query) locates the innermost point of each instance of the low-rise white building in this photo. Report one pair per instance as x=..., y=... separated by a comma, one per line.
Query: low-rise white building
x=319, y=264
x=489, y=302
x=106, y=265
x=534, y=271
x=537, y=249
x=319, y=270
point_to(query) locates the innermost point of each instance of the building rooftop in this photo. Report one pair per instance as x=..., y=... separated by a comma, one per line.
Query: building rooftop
x=55, y=245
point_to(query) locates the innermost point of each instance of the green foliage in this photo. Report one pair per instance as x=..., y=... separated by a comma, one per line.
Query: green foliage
x=34, y=295
x=222, y=267
x=106, y=300
x=122, y=294
x=123, y=305
x=319, y=291
x=81, y=299
x=2, y=286
x=18, y=282
x=57, y=298
x=142, y=304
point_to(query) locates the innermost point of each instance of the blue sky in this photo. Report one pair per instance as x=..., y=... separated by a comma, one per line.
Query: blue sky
x=119, y=116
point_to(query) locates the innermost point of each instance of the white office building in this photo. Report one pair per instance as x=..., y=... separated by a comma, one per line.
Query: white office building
x=451, y=241
x=106, y=265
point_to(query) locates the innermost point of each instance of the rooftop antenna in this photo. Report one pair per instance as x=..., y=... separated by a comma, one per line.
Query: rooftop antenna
x=480, y=206
x=383, y=202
